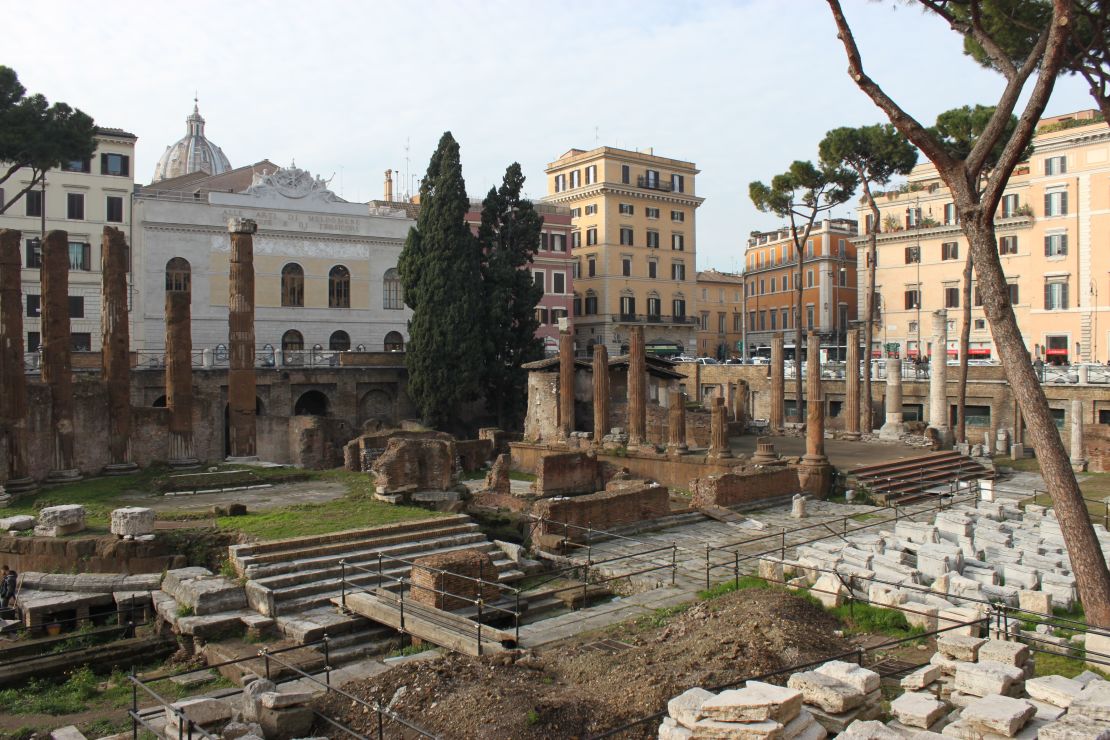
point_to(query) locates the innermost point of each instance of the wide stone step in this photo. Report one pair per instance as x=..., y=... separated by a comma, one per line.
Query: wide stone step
x=362, y=533
x=243, y=563
x=911, y=462
x=934, y=470
x=274, y=575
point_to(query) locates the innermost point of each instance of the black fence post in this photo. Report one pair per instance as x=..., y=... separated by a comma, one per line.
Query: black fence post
x=736, y=567
x=327, y=661
x=674, y=562
x=343, y=584
x=381, y=722
x=134, y=706
x=706, y=566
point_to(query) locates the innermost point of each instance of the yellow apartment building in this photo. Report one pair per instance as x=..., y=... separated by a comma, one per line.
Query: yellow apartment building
x=720, y=303
x=1053, y=238
x=633, y=239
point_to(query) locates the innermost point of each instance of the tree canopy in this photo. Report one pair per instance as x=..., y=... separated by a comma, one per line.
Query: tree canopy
x=875, y=153
x=37, y=135
x=960, y=129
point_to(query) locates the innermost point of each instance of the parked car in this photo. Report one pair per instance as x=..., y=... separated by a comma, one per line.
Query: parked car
x=683, y=358
x=706, y=361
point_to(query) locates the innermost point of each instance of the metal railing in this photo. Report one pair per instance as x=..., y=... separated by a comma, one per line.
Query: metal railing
x=649, y=318
x=654, y=183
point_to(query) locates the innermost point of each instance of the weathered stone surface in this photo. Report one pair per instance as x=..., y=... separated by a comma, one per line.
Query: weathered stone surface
x=999, y=714
x=497, y=480
x=241, y=382
x=601, y=391
x=829, y=591
x=711, y=729
x=637, y=388
x=206, y=594
x=825, y=692
x=280, y=700
x=449, y=580
x=13, y=399
x=203, y=712
x=755, y=702
x=718, y=430
x=69, y=732
x=1093, y=701
x=986, y=678
x=179, y=362
x=856, y=676
x=815, y=403
x=411, y=464
x=778, y=383
x=252, y=697
x=57, y=372
x=1004, y=651
x=685, y=707
x=56, y=521
x=116, y=343
x=18, y=523
x=1075, y=727
x=921, y=678
x=1055, y=690
x=851, y=387
x=236, y=730
x=132, y=520
x=676, y=422
x=285, y=724
x=868, y=730
x=671, y=730
x=566, y=383
x=918, y=710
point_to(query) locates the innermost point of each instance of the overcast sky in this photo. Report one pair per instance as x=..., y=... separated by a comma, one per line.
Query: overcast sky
x=739, y=88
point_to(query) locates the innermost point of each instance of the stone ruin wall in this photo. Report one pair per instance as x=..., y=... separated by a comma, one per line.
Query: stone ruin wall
x=1097, y=439
x=623, y=502
x=416, y=465
x=461, y=567
x=567, y=473
x=745, y=486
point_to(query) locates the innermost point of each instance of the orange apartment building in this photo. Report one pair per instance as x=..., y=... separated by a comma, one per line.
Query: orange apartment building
x=828, y=272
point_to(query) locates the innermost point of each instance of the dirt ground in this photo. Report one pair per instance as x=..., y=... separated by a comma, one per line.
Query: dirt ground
x=573, y=689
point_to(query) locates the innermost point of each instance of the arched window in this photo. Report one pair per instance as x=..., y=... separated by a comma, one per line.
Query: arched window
x=340, y=341
x=292, y=285
x=339, y=287
x=178, y=273
x=391, y=289
x=292, y=341
x=394, y=342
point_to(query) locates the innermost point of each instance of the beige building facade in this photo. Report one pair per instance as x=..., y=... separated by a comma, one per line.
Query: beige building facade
x=633, y=226
x=81, y=198
x=1053, y=229
x=720, y=304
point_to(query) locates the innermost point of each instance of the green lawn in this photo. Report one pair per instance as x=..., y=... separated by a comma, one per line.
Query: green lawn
x=1095, y=486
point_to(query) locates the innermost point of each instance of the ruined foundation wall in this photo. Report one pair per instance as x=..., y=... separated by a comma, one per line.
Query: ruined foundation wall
x=744, y=487
x=629, y=502
x=567, y=473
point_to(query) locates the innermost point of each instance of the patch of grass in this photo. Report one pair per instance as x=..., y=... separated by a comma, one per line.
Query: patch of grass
x=729, y=587
x=865, y=516
x=865, y=618
x=227, y=569
x=105, y=727
x=472, y=475
x=45, y=697
x=184, y=610
x=1025, y=464
x=661, y=616
x=532, y=718
x=99, y=496
x=1048, y=664
x=522, y=476
x=411, y=650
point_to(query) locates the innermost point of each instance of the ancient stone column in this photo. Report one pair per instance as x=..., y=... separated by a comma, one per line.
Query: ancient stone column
x=740, y=405
x=566, y=384
x=1077, y=453
x=938, y=379
x=815, y=404
x=894, y=426
x=179, y=363
x=778, y=383
x=718, y=430
x=13, y=382
x=637, y=389
x=676, y=423
x=851, y=387
x=115, y=359
x=240, y=376
x=601, y=392
x=56, y=370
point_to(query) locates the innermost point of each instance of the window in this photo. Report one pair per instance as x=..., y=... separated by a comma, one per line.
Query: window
x=538, y=280
x=626, y=266
x=292, y=285
x=339, y=287
x=77, y=165
x=1009, y=206
x=654, y=307
x=560, y=183
x=1056, y=203
x=591, y=304
x=33, y=203
x=591, y=267
x=913, y=299
x=653, y=239
x=752, y=321
x=678, y=308
x=558, y=242
x=626, y=236
x=651, y=212
x=774, y=319
x=33, y=253
x=705, y=321
x=628, y=306
x=34, y=306
x=34, y=342
x=577, y=305
x=559, y=282
x=912, y=327
x=653, y=268
x=783, y=282
x=977, y=296
x=626, y=174
x=762, y=287
x=809, y=278
x=80, y=341
x=115, y=164
x=736, y=322
x=679, y=216
x=677, y=243
x=541, y=315
x=678, y=271
x=809, y=248
x=951, y=297
x=869, y=223
x=392, y=296
x=575, y=212
x=114, y=209
x=80, y=256
x=394, y=342
x=591, y=174
x=575, y=239
x=785, y=318
x=76, y=307
x=1055, y=245
x=980, y=324
x=950, y=216
x=1056, y=165
x=556, y=314
x=809, y=317
x=678, y=183
x=1007, y=245
x=591, y=237
x=575, y=178
x=178, y=272
x=339, y=341
x=626, y=209
x=1055, y=295
x=913, y=254
x=591, y=209
x=75, y=206
x=843, y=278
x=292, y=341
x=1013, y=291
x=651, y=179
x=841, y=250
x=950, y=251
x=913, y=217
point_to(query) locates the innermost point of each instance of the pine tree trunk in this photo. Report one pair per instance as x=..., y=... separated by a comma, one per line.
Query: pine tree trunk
x=869, y=320
x=965, y=342
x=1087, y=562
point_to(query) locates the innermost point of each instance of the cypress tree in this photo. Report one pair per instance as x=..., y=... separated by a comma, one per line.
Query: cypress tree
x=440, y=271
x=509, y=235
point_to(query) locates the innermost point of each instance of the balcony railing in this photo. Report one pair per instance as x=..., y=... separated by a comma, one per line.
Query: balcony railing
x=652, y=183
x=651, y=318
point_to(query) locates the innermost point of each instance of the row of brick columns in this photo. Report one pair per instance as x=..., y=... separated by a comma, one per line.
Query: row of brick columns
x=115, y=355
x=637, y=389
x=57, y=372
x=601, y=392
x=241, y=390
x=179, y=365
x=566, y=384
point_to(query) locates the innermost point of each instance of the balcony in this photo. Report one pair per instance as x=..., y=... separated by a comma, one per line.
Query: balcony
x=654, y=184
x=651, y=318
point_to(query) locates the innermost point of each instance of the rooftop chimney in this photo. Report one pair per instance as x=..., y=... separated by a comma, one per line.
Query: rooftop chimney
x=389, y=186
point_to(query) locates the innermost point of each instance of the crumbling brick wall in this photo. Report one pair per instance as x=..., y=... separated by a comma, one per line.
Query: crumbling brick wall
x=415, y=465
x=453, y=575
x=474, y=453
x=697, y=423
x=563, y=473
x=1096, y=441
x=623, y=502
x=744, y=486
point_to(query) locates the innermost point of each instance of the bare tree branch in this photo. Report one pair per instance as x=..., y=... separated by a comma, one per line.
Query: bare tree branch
x=36, y=179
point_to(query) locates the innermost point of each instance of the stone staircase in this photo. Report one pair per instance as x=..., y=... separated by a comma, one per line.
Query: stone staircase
x=906, y=481
x=295, y=580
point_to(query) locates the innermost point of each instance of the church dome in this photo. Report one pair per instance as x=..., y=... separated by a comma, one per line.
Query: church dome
x=192, y=153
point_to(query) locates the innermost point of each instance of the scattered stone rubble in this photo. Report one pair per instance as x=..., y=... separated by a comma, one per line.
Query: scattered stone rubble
x=58, y=521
